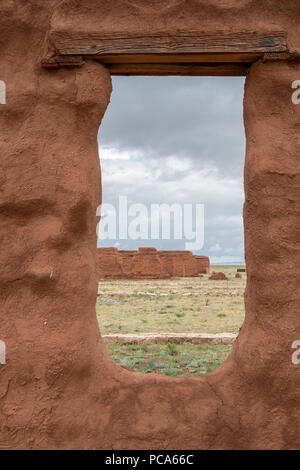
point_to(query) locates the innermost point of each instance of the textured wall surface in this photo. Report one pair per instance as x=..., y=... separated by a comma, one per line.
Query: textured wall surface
x=59, y=388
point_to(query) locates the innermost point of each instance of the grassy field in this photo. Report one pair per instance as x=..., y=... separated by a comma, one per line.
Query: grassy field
x=184, y=305
x=178, y=360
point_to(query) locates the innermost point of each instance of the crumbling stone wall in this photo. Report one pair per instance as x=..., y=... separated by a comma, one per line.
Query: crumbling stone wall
x=126, y=259
x=166, y=264
x=184, y=264
x=148, y=263
x=110, y=264
x=203, y=264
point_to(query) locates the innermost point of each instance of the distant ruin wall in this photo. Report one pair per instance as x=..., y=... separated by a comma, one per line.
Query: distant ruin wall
x=203, y=264
x=110, y=264
x=149, y=263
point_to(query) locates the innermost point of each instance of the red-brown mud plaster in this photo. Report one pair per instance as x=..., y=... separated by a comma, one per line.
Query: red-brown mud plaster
x=59, y=388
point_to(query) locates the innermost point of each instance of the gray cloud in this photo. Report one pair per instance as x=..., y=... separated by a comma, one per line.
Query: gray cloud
x=178, y=139
x=196, y=117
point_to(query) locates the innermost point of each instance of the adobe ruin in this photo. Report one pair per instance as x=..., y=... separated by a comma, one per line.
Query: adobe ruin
x=148, y=263
x=59, y=388
x=218, y=276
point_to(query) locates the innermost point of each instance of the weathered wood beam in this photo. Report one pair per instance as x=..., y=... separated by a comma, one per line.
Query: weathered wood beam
x=225, y=69
x=190, y=53
x=275, y=56
x=69, y=61
x=182, y=43
x=246, y=57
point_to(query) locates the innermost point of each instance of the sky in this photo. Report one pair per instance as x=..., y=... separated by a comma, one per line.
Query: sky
x=175, y=140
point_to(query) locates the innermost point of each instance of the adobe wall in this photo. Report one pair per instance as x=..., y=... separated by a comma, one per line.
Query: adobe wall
x=203, y=264
x=126, y=259
x=148, y=263
x=166, y=264
x=59, y=388
x=184, y=264
x=110, y=265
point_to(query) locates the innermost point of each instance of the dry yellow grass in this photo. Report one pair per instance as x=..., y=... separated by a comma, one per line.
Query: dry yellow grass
x=181, y=305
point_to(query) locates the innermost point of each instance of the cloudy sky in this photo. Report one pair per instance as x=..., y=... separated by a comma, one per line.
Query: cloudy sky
x=177, y=140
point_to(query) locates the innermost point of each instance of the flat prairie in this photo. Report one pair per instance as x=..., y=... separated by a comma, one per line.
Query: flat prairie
x=181, y=305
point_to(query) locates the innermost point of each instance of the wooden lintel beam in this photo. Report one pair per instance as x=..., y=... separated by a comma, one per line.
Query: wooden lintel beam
x=214, y=58
x=69, y=61
x=190, y=53
x=275, y=56
x=197, y=69
x=66, y=43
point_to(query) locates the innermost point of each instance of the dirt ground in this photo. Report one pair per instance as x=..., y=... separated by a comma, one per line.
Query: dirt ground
x=183, y=305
